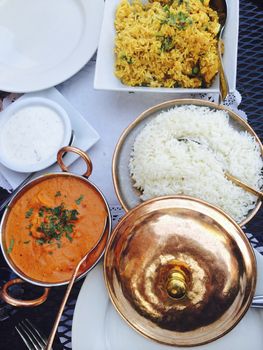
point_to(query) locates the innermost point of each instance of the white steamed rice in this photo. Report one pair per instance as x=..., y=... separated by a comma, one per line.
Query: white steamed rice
x=162, y=165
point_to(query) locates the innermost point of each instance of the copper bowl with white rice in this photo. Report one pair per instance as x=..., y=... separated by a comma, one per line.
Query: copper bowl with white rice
x=184, y=147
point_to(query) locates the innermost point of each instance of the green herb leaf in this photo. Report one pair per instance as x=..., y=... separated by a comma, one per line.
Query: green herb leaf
x=195, y=70
x=50, y=253
x=183, y=20
x=40, y=241
x=179, y=20
x=56, y=223
x=127, y=59
x=29, y=213
x=68, y=228
x=79, y=200
x=11, y=246
x=69, y=237
x=74, y=214
x=26, y=242
x=41, y=212
x=167, y=44
x=58, y=194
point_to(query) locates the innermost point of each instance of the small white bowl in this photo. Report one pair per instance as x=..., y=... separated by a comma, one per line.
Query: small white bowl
x=14, y=160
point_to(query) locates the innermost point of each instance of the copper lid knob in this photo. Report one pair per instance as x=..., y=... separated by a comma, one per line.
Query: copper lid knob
x=176, y=284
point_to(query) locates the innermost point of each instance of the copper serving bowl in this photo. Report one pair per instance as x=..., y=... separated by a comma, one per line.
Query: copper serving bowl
x=180, y=271
x=92, y=259
x=127, y=194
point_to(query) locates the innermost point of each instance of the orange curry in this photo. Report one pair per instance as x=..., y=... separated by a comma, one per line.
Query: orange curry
x=52, y=226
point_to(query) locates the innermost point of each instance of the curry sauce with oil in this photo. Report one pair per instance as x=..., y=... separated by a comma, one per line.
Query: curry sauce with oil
x=52, y=226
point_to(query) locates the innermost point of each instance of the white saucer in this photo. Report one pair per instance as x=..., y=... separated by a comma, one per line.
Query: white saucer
x=97, y=325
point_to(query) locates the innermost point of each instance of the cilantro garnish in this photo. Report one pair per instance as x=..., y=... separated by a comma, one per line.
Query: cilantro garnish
x=69, y=237
x=58, y=194
x=41, y=212
x=179, y=20
x=79, y=200
x=56, y=223
x=11, y=246
x=29, y=213
x=167, y=44
x=40, y=241
x=127, y=59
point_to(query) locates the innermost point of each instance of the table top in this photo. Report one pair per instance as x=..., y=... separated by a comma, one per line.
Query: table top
x=250, y=85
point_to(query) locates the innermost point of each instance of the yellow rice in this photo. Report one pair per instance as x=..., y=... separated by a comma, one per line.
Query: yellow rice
x=166, y=43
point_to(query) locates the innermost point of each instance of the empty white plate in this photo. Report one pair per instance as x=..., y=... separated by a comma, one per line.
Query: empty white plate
x=45, y=42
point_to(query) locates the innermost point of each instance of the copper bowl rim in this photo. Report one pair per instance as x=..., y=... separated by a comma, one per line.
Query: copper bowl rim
x=28, y=185
x=171, y=103
x=228, y=217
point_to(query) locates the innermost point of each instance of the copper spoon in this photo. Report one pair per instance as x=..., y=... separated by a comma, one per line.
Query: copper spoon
x=220, y=7
x=68, y=290
x=229, y=176
x=243, y=185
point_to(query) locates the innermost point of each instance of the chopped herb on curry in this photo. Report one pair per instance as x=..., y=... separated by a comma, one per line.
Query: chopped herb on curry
x=53, y=223
x=79, y=200
x=29, y=213
x=11, y=246
x=58, y=194
x=56, y=222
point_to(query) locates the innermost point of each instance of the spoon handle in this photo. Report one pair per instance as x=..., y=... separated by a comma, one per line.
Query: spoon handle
x=243, y=185
x=223, y=84
x=68, y=290
x=257, y=302
x=62, y=306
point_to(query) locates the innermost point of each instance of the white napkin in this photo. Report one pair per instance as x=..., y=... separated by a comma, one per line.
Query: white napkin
x=109, y=112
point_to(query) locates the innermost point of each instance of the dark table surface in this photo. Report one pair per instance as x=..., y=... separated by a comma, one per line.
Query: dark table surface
x=250, y=85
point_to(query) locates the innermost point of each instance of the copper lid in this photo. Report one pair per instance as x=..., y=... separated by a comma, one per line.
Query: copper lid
x=180, y=271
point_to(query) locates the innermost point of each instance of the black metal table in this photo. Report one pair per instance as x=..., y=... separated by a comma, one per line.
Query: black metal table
x=250, y=85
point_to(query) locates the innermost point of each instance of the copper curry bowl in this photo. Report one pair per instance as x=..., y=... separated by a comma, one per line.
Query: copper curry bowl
x=57, y=229
x=180, y=271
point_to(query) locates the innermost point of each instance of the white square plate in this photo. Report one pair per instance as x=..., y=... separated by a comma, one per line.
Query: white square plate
x=104, y=74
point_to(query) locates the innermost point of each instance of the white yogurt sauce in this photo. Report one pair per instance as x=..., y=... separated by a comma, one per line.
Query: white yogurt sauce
x=32, y=134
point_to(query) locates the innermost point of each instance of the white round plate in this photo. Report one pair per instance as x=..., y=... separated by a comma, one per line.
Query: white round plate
x=98, y=326
x=45, y=42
